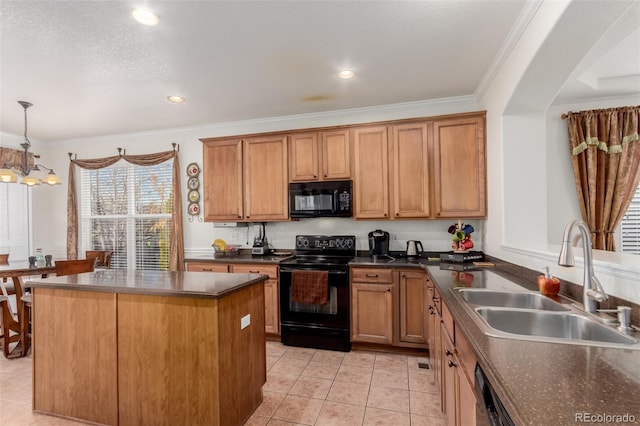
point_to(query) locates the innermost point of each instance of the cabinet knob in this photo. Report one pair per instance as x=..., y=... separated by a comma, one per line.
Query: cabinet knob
x=389, y=289
x=371, y=275
x=447, y=352
x=452, y=364
x=314, y=176
x=435, y=299
x=253, y=272
x=385, y=215
x=402, y=275
x=239, y=217
x=207, y=269
x=397, y=214
x=325, y=175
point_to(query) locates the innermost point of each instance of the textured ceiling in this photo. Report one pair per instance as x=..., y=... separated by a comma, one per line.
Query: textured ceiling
x=90, y=69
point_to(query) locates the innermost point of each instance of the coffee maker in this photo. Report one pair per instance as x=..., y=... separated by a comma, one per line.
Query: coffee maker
x=378, y=243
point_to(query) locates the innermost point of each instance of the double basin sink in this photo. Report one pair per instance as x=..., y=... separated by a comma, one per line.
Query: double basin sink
x=532, y=316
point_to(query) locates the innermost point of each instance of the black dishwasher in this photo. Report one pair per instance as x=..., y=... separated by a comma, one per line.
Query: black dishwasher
x=489, y=409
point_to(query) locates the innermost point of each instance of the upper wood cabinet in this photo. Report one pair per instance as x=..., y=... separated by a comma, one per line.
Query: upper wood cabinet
x=371, y=180
x=430, y=168
x=460, y=167
x=222, y=190
x=410, y=171
x=266, y=193
x=319, y=156
x=246, y=179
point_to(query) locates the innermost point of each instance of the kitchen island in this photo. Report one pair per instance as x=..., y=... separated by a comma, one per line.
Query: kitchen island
x=125, y=347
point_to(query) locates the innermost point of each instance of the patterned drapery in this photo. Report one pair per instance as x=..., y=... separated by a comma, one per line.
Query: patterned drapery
x=605, y=154
x=176, y=249
x=14, y=158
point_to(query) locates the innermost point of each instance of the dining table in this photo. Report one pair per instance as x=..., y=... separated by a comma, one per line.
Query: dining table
x=14, y=325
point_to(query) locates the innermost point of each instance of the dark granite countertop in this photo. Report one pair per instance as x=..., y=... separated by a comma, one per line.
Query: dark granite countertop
x=242, y=258
x=152, y=283
x=544, y=383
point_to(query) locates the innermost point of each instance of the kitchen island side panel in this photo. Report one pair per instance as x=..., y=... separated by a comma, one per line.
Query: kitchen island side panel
x=243, y=361
x=168, y=360
x=75, y=354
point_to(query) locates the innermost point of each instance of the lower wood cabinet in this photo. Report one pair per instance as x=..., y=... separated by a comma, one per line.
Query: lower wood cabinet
x=207, y=267
x=271, y=286
x=457, y=364
x=271, y=299
x=389, y=306
x=413, y=306
x=372, y=305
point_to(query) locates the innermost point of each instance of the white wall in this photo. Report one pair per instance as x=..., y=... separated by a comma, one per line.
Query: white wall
x=530, y=176
x=50, y=212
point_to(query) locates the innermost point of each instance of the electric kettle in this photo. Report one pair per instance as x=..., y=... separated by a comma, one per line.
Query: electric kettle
x=414, y=248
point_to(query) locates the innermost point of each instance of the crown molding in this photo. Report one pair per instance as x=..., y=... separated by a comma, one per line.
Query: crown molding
x=517, y=30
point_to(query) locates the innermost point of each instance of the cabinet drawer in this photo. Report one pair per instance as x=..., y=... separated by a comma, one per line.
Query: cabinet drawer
x=207, y=267
x=270, y=270
x=372, y=275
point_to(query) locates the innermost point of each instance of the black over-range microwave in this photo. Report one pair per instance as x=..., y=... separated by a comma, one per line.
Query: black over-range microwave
x=321, y=199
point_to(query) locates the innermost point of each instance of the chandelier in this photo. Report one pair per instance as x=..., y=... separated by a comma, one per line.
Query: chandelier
x=9, y=173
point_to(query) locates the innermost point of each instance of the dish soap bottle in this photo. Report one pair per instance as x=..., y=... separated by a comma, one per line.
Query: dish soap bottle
x=548, y=285
x=39, y=258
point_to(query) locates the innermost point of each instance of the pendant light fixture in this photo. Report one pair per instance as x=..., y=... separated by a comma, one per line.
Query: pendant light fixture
x=9, y=173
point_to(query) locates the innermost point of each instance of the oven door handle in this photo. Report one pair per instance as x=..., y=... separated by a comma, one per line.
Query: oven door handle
x=332, y=271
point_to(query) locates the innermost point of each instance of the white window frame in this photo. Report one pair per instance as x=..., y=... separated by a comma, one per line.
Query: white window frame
x=630, y=226
x=15, y=221
x=131, y=217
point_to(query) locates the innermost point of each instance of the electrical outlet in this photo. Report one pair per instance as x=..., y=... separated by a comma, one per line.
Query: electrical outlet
x=245, y=321
x=394, y=237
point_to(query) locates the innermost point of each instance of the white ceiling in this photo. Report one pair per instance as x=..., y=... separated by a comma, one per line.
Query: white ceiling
x=90, y=69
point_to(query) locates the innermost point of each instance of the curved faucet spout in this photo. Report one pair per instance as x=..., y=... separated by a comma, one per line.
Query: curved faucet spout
x=592, y=289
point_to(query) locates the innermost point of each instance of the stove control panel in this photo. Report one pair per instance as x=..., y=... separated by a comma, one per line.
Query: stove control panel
x=325, y=243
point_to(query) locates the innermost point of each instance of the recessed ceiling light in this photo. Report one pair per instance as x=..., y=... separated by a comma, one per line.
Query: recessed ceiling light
x=176, y=99
x=145, y=16
x=346, y=74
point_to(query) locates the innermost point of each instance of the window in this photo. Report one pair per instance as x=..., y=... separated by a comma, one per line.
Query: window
x=127, y=209
x=630, y=226
x=14, y=221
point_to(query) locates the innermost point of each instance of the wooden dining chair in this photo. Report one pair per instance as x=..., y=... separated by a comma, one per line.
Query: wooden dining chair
x=70, y=267
x=103, y=257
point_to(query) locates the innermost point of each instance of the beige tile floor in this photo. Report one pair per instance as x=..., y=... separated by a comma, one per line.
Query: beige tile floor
x=304, y=387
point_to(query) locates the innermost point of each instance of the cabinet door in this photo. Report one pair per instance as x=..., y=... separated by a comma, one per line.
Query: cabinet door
x=266, y=178
x=222, y=180
x=271, y=298
x=372, y=313
x=371, y=173
x=411, y=195
x=449, y=374
x=413, y=302
x=466, y=401
x=303, y=157
x=336, y=155
x=271, y=307
x=460, y=167
x=207, y=267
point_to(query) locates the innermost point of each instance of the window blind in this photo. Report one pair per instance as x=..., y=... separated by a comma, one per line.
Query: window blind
x=630, y=226
x=127, y=209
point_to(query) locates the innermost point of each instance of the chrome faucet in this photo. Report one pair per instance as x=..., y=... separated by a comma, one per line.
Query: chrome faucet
x=591, y=293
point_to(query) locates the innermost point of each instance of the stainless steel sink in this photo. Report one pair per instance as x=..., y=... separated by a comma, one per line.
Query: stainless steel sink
x=563, y=327
x=510, y=300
